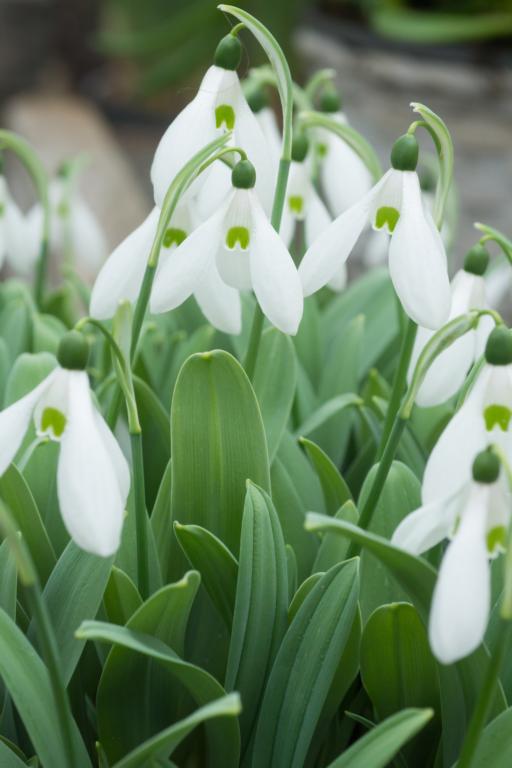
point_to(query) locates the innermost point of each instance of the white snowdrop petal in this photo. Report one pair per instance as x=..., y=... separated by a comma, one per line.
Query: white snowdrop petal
x=417, y=261
x=19, y=249
x=121, y=276
x=88, y=239
x=119, y=463
x=219, y=303
x=426, y=526
x=317, y=218
x=90, y=499
x=233, y=262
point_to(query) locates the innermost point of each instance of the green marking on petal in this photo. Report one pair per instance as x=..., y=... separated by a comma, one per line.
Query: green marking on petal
x=225, y=114
x=63, y=209
x=238, y=235
x=53, y=421
x=387, y=216
x=496, y=538
x=497, y=415
x=174, y=237
x=321, y=149
x=296, y=204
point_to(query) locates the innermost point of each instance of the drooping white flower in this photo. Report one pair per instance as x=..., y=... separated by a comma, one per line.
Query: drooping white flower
x=219, y=105
x=93, y=478
x=15, y=245
x=235, y=249
x=258, y=102
x=448, y=371
x=417, y=259
x=476, y=519
x=75, y=232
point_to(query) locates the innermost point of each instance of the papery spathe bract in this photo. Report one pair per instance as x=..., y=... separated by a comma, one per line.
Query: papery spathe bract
x=93, y=478
x=14, y=233
x=417, y=259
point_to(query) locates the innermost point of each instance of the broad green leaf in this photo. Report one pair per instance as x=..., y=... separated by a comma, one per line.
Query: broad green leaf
x=274, y=384
x=4, y=369
x=333, y=549
x=378, y=747
x=399, y=671
x=26, y=679
x=27, y=372
x=16, y=327
x=8, y=580
x=400, y=495
x=198, y=341
x=301, y=472
x=260, y=617
x=8, y=759
x=164, y=743
x=47, y=332
x=161, y=523
x=223, y=738
x=335, y=490
x=327, y=411
x=73, y=594
x=301, y=594
x=304, y=669
x=155, y=438
x=494, y=749
x=217, y=566
x=308, y=341
x=217, y=443
x=125, y=716
x=121, y=598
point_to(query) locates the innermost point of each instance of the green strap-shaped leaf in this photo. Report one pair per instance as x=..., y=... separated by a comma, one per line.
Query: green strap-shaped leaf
x=260, y=617
x=121, y=598
x=161, y=523
x=327, y=411
x=8, y=579
x=155, y=438
x=336, y=491
x=217, y=566
x=223, y=737
x=304, y=669
x=164, y=743
x=27, y=681
x=378, y=747
x=333, y=549
x=8, y=759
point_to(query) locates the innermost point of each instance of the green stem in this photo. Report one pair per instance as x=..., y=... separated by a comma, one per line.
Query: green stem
x=398, y=384
x=141, y=518
x=50, y=653
x=277, y=213
x=485, y=698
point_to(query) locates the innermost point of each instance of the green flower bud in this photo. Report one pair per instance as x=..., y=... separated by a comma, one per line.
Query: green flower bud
x=73, y=351
x=228, y=53
x=243, y=175
x=257, y=99
x=486, y=467
x=498, y=350
x=404, y=154
x=476, y=260
x=330, y=100
x=300, y=146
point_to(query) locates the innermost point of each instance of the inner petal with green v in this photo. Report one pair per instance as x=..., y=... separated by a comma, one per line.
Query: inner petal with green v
x=496, y=538
x=174, y=236
x=387, y=217
x=225, y=115
x=53, y=422
x=238, y=236
x=497, y=416
x=296, y=204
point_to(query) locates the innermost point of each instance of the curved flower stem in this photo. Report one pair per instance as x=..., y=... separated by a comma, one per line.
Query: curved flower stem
x=141, y=517
x=485, y=698
x=319, y=80
x=398, y=384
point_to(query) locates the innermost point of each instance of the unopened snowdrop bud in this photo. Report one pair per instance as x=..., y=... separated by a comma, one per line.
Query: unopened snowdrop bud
x=405, y=153
x=476, y=260
x=330, y=100
x=243, y=175
x=257, y=98
x=486, y=467
x=73, y=351
x=228, y=53
x=300, y=147
x=498, y=350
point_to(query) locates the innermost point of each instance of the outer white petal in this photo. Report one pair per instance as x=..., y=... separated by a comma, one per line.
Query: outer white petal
x=339, y=280
x=274, y=275
x=191, y=130
x=461, y=600
x=219, y=302
x=90, y=499
x=89, y=244
x=268, y=124
x=212, y=189
x=185, y=267
x=121, y=276
x=317, y=217
x=119, y=463
x=426, y=526
x=417, y=261
x=14, y=421
x=449, y=465
x=18, y=245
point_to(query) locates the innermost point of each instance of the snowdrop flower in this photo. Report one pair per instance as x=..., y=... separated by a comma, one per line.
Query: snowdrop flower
x=476, y=519
x=74, y=230
x=121, y=276
x=448, y=371
x=235, y=249
x=304, y=205
x=265, y=115
x=343, y=176
x=417, y=259
x=14, y=234
x=219, y=105
x=93, y=479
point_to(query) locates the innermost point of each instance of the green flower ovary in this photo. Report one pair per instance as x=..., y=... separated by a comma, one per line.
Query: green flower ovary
x=296, y=204
x=238, y=235
x=497, y=415
x=53, y=421
x=225, y=114
x=174, y=237
x=387, y=215
x=496, y=538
